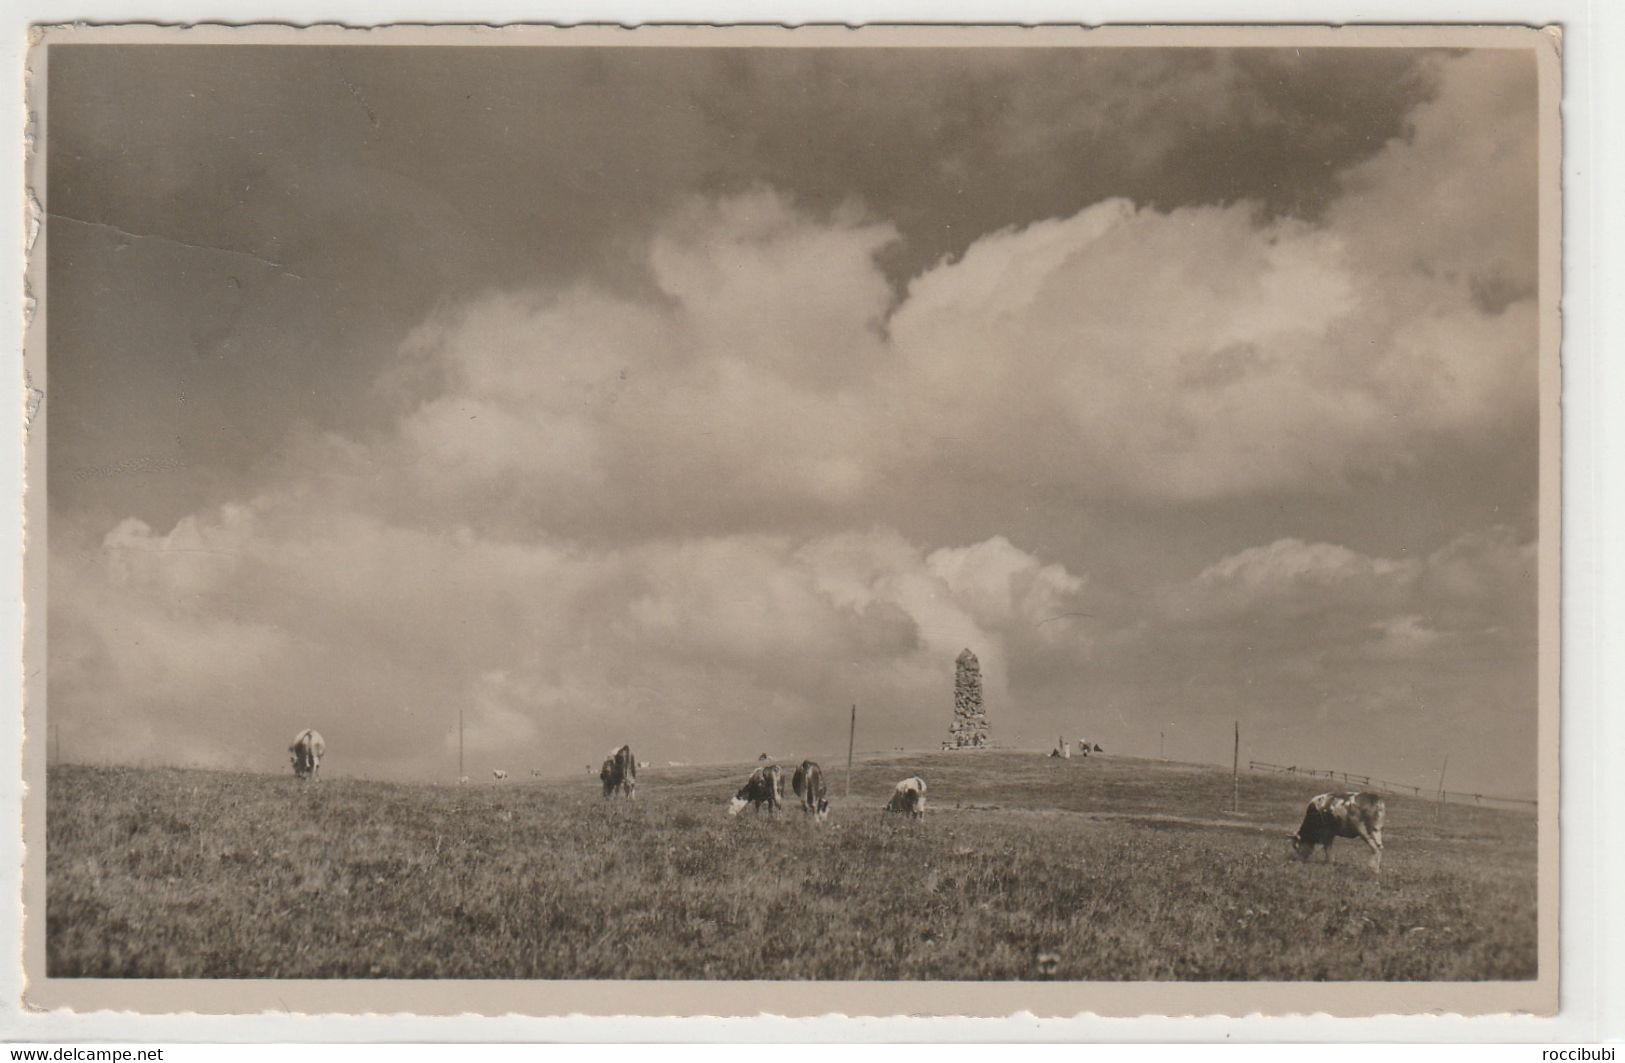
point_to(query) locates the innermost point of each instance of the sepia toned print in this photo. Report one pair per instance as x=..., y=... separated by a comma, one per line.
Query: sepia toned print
x=1043, y=520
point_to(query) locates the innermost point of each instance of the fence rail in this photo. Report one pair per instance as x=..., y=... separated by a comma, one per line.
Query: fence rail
x=1458, y=796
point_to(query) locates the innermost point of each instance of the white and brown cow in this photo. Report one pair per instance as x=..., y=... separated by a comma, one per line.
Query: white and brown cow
x=1333, y=816
x=764, y=787
x=808, y=783
x=909, y=797
x=498, y=774
x=306, y=753
x=619, y=773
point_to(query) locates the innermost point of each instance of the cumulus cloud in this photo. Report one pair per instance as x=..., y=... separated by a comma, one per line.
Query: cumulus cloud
x=1208, y=351
x=1402, y=638
x=767, y=370
x=737, y=386
x=1321, y=603
x=256, y=620
x=1290, y=578
x=1454, y=202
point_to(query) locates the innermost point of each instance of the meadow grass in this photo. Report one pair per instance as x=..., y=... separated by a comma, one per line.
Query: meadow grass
x=1113, y=868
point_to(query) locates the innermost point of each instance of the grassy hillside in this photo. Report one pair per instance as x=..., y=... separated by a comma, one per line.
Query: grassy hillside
x=1115, y=868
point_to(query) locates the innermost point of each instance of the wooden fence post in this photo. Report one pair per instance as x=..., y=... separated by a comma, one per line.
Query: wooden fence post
x=851, y=739
x=1235, y=773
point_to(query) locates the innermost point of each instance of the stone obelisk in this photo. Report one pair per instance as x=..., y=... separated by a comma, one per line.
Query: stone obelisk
x=969, y=730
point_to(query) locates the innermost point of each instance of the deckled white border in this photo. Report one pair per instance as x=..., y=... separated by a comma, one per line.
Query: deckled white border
x=1593, y=972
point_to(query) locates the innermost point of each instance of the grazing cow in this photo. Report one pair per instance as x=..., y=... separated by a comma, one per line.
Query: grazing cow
x=909, y=797
x=536, y=773
x=306, y=753
x=498, y=774
x=808, y=783
x=1098, y=749
x=462, y=780
x=620, y=772
x=764, y=787
x=1333, y=816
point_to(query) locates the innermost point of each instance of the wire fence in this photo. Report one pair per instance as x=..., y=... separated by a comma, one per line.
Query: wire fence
x=1458, y=796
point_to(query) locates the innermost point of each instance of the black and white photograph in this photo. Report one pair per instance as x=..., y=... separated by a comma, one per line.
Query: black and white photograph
x=780, y=507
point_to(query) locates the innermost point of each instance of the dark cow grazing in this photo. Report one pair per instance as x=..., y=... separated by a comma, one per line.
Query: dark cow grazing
x=620, y=772
x=1098, y=749
x=306, y=753
x=1333, y=816
x=808, y=783
x=764, y=787
x=909, y=797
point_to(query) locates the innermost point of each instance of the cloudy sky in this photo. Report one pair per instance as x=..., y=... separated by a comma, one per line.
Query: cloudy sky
x=689, y=396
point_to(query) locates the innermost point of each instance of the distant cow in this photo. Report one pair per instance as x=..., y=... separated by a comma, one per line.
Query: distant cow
x=462, y=780
x=536, y=773
x=306, y=753
x=1098, y=749
x=619, y=773
x=1333, y=816
x=909, y=797
x=498, y=774
x=808, y=783
x=764, y=787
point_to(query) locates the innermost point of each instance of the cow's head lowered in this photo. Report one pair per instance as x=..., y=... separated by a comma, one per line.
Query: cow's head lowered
x=306, y=754
x=908, y=798
x=764, y=787
x=1298, y=847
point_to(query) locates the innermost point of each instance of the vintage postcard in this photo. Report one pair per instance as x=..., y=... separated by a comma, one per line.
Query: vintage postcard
x=896, y=521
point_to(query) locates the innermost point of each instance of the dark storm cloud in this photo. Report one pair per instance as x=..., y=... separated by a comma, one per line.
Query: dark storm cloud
x=952, y=148
x=255, y=229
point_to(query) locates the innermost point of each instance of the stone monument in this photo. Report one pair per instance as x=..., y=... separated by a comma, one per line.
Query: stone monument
x=969, y=730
